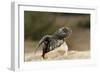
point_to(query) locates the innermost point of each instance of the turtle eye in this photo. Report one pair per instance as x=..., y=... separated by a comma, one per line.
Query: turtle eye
x=65, y=30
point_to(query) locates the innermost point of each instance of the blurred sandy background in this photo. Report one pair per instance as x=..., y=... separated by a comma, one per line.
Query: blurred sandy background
x=38, y=24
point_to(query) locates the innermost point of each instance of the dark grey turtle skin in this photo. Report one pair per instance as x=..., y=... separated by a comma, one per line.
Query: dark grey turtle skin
x=55, y=40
